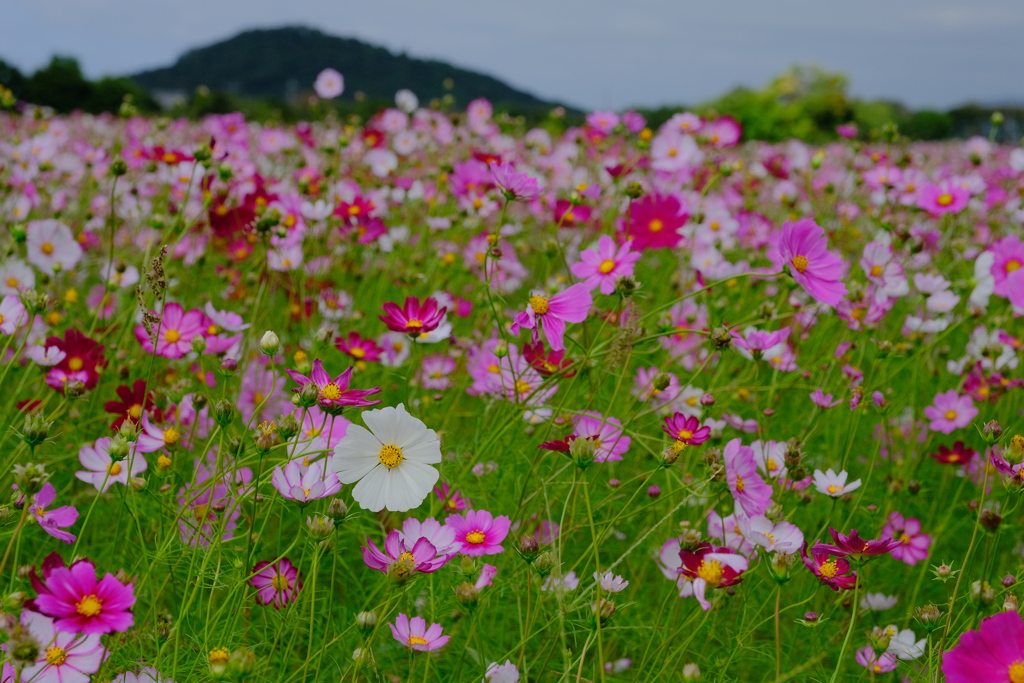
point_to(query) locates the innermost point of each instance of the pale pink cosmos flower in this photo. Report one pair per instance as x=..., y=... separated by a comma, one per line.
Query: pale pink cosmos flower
x=823, y=400
x=609, y=443
x=12, y=314
x=782, y=536
x=610, y=582
x=329, y=84
x=551, y=315
x=304, y=484
x=175, y=332
x=604, y=265
x=414, y=634
x=52, y=246
x=950, y=412
x=102, y=471
x=749, y=490
x=515, y=185
x=45, y=356
x=53, y=521
x=914, y=546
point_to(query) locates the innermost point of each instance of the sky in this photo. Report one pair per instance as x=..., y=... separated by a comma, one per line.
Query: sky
x=592, y=54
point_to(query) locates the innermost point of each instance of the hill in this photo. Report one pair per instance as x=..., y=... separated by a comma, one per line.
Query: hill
x=279, y=63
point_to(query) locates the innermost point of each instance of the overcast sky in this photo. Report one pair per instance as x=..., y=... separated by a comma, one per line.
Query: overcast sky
x=589, y=53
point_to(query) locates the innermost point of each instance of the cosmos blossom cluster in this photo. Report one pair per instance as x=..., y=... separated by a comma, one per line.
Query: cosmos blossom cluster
x=439, y=396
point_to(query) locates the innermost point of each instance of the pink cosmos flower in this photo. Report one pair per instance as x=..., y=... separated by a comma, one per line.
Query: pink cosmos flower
x=754, y=342
x=515, y=185
x=687, y=429
x=175, y=332
x=913, y=544
x=708, y=567
x=334, y=394
x=359, y=347
x=79, y=602
x=64, y=657
x=571, y=306
x=452, y=500
x=478, y=532
x=440, y=535
x=946, y=197
x=749, y=490
x=602, y=267
x=654, y=221
x=854, y=546
x=606, y=432
x=950, y=411
x=414, y=634
x=404, y=555
x=59, y=379
x=102, y=471
x=329, y=84
x=53, y=520
x=12, y=314
x=413, y=318
x=276, y=583
x=823, y=400
x=803, y=247
x=304, y=484
x=436, y=371
x=876, y=663
x=995, y=652
x=153, y=437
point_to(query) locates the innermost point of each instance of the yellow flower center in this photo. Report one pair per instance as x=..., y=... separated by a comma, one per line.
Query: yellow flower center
x=539, y=304
x=171, y=436
x=357, y=352
x=76, y=364
x=876, y=270
x=739, y=484
x=1009, y=267
x=685, y=434
x=90, y=606
x=475, y=537
x=950, y=414
x=833, y=489
x=135, y=412
x=945, y=199
x=55, y=656
x=13, y=281
x=163, y=462
x=172, y=336
x=47, y=248
x=114, y=469
x=417, y=640
x=800, y=263
x=330, y=392
x=219, y=655
x=606, y=266
x=771, y=464
x=904, y=539
x=480, y=257
x=711, y=572
x=829, y=569
x=656, y=225
x=280, y=582
x=1016, y=671
x=522, y=387
x=414, y=323
x=390, y=456
x=493, y=368
x=258, y=397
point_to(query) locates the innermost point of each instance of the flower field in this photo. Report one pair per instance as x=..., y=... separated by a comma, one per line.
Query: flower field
x=435, y=397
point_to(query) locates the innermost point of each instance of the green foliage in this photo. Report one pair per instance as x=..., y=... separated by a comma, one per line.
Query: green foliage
x=927, y=125
x=61, y=85
x=11, y=78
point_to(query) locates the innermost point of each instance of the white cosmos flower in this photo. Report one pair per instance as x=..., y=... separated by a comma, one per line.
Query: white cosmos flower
x=390, y=463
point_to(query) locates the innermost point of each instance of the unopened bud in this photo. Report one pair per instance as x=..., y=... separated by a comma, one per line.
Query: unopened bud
x=36, y=429
x=582, y=451
x=634, y=190
x=118, y=167
x=990, y=519
x=528, y=548
x=929, y=616
x=661, y=381
x=228, y=366
x=219, y=658
x=992, y=431
x=1010, y=603
x=74, y=389
x=270, y=343
x=287, y=427
x=366, y=622
x=982, y=593
x=309, y=395
x=545, y=563
x=320, y=526
x=337, y=510
x=690, y=538
x=202, y=153
x=1009, y=580
x=243, y=661
x=467, y=594
x=603, y=609
x=138, y=483
x=223, y=412
x=720, y=338
x=198, y=343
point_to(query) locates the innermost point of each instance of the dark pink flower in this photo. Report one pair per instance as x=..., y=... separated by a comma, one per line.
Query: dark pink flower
x=551, y=315
x=276, y=583
x=854, y=546
x=515, y=185
x=413, y=317
x=946, y=197
x=478, y=532
x=749, y=490
x=174, y=332
x=334, y=394
x=687, y=429
x=405, y=556
x=359, y=347
x=995, y=652
x=707, y=567
x=834, y=573
x=78, y=602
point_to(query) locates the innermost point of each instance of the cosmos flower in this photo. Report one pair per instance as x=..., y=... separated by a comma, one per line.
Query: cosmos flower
x=709, y=567
x=390, y=463
x=749, y=490
x=803, y=248
x=686, y=429
x=515, y=185
x=78, y=601
x=834, y=573
x=329, y=84
x=913, y=545
x=995, y=652
x=102, y=471
x=950, y=411
x=51, y=246
x=55, y=520
x=413, y=318
x=551, y=315
x=478, y=532
x=414, y=634
x=304, y=484
x=832, y=484
x=65, y=656
x=333, y=394
x=854, y=546
x=277, y=583
x=874, y=662
x=602, y=266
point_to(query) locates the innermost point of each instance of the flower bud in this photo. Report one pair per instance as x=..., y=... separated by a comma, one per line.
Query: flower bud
x=202, y=153
x=270, y=343
x=982, y=593
x=721, y=338
x=1009, y=580
x=545, y=563
x=337, y=510
x=929, y=616
x=992, y=432
x=366, y=622
x=707, y=400
x=626, y=286
x=501, y=349
x=528, y=548
x=582, y=452
x=661, y=381
x=467, y=594
x=603, y=609
x=118, y=167
x=138, y=484
x=74, y=389
x=309, y=395
x=634, y=190
x=30, y=477
x=320, y=526
x=223, y=412
x=1010, y=603
x=15, y=601
x=690, y=537
x=198, y=343
x=990, y=519
x=219, y=658
x=243, y=661
x=36, y=429
x=288, y=426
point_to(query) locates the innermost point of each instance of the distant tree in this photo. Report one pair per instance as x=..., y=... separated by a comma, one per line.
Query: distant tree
x=927, y=125
x=60, y=85
x=11, y=78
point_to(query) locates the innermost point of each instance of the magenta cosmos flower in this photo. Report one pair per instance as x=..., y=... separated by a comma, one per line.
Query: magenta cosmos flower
x=513, y=184
x=854, y=546
x=804, y=248
x=334, y=394
x=946, y=197
x=414, y=634
x=994, y=653
x=52, y=521
x=604, y=265
x=950, y=411
x=413, y=318
x=913, y=545
x=747, y=486
x=571, y=306
x=80, y=603
x=276, y=583
x=687, y=429
x=174, y=332
x=834, y=573
x=478, y=532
